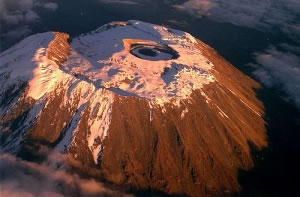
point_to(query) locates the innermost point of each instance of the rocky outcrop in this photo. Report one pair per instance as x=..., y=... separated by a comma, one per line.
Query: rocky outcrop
x=58, y=49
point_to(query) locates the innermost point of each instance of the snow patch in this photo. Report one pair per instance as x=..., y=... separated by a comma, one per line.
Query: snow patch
x=45, y=75
x=71, y=130
x=221, y=112
x=100, y=118
x=185, y=111
x=250, y=107
x=207, y=99
x=14, y=142
x=151, y=111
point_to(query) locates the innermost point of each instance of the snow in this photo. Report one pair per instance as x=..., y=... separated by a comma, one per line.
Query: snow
x=14, y=142
x=245, y=103
x=18, y=66
x=151, y=111
x=99, y=101
x=100, y=119
x=185, y=111
x=19, y=57
x=27, y=61
x=71, y=130
x=207, y=99
x=97, y=54
x=221, y=112
x=250, y=107
x=45, y=75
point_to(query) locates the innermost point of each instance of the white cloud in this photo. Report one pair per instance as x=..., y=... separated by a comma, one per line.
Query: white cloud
x=126, y=2
x=18, y=14
x=279, y=69
x=22, y=10
x=50, y=6
x=197, y=8
x=259, y=14
x=30, y=16
x=27, y=179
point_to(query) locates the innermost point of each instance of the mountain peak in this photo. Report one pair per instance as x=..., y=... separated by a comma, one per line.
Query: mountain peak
x=145, y=105
x=141, y=59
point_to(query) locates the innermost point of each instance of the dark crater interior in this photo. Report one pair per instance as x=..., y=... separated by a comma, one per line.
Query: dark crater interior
x=148, y=52
x=157, y=52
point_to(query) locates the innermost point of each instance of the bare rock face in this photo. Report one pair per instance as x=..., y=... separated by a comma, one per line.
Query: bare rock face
x=137, y=104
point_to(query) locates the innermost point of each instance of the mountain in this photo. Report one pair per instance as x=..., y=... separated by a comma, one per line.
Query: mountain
x=135, y=104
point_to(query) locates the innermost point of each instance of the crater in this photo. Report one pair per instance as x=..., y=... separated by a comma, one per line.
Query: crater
x=150, y=50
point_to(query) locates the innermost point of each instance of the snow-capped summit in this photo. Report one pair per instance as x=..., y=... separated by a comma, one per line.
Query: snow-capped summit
x=147, y=105
x=148, y=61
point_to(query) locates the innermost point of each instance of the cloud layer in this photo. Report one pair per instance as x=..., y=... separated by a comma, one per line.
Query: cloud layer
x=13, y=12
x=250, y=13
x=26, y=179
x=276, y=68
x=16, y=16
x=126, y=2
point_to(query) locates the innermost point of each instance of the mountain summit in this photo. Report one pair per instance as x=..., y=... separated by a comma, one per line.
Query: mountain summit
x=136, y=104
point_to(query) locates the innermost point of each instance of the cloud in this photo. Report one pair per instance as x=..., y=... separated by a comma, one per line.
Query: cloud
x=50, y=6
x=263, y=15
x=16, y=11
x=277, y=68
x=19, y=15
x=197, y=8
x=27, y=179
x=126, y=2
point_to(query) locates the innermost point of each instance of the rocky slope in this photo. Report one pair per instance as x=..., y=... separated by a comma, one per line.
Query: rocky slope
x=137, y=104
